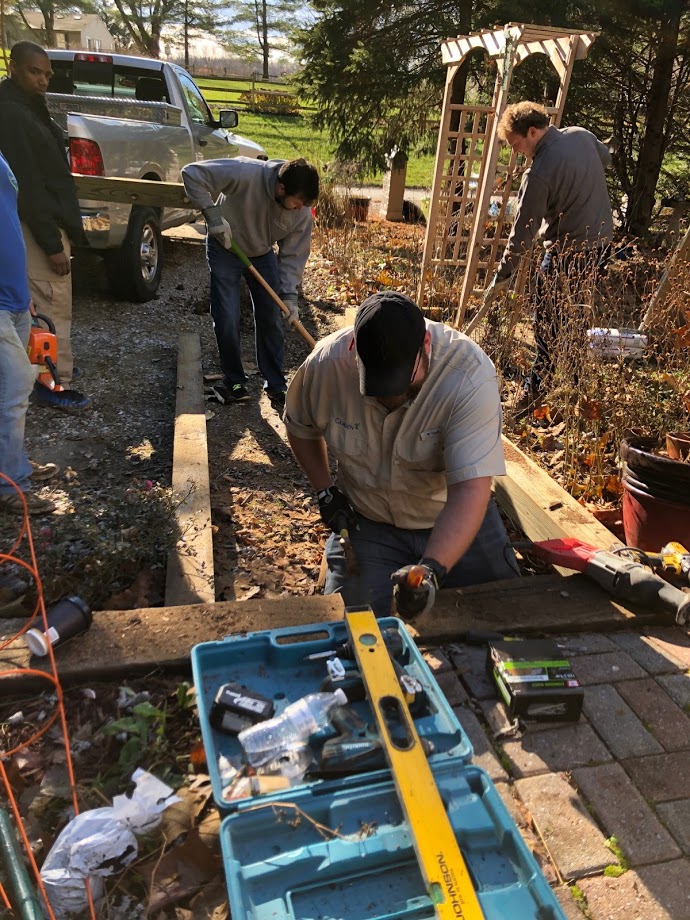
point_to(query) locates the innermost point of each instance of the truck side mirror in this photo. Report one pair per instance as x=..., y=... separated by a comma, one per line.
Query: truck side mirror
x=228, y=119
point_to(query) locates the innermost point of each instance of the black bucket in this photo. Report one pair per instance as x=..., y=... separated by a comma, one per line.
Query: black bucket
x=656, y=496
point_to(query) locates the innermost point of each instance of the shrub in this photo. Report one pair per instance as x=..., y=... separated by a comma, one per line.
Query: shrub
x=271, y=102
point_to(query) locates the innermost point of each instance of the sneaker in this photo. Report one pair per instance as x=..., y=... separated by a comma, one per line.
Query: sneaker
x=234, y=394
x=41, y=472
x=276, y=398
x=12, y=504
x=65, y=400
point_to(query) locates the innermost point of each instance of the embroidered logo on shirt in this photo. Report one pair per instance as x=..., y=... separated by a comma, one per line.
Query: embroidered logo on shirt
x=351, y=426
x=431, y=433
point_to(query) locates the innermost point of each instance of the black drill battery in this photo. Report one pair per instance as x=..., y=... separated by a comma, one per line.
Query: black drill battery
x=535, y=680
x=236, y=708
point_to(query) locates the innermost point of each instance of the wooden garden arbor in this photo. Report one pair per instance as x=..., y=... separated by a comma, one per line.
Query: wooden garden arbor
x=468, y=222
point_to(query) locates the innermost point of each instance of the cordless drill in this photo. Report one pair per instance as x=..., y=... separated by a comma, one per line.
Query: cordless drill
x=672, y=559
x=356, y=748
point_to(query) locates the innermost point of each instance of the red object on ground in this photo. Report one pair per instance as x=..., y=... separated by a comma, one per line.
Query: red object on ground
x=569, y=553
x=651, y=522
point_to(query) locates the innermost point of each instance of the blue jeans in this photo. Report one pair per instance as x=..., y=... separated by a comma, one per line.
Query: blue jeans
x=17, y=376
x=382, y=549
x=226, y=274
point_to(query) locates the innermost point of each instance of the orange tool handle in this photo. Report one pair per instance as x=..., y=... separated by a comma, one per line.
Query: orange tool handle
x=415, y=576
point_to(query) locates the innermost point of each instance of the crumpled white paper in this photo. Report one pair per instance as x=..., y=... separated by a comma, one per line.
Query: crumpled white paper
x=101, y=842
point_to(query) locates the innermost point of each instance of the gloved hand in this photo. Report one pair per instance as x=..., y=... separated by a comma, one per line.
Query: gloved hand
x=292, y=303
x=336, y=511
x=415, y=587
x=217, y=225
x=496, y=287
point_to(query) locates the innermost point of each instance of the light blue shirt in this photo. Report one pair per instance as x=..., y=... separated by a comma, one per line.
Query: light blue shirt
x=14, y=283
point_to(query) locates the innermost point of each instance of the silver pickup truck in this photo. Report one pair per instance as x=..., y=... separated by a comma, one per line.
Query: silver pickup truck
x=135, y=118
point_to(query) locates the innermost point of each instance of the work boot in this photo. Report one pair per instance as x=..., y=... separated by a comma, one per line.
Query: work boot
x=42, y=472
x=11, y=503
x=233, y=394
x=65, y=400
x=277, y=398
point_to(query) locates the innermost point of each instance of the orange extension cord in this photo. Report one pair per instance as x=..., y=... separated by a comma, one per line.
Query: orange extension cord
x=59, y=713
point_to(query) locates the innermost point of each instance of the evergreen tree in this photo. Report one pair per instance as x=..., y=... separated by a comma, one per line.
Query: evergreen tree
x=373, y=70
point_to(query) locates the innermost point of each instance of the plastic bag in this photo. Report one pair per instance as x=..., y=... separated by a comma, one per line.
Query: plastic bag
x=100, y=843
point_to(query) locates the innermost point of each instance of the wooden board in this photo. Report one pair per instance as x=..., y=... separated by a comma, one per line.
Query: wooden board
x=190, y=576
x=540, y=508
x=132, y=191
x=123, y=642
x=126, y=642
x=537, y=604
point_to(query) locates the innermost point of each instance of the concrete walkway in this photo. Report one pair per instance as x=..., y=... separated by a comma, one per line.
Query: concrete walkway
x=622, y=771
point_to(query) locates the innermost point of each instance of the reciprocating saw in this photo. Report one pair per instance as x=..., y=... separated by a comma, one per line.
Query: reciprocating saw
x=622, y=577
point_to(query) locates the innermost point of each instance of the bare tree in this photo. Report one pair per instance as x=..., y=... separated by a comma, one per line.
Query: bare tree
x=260, y=25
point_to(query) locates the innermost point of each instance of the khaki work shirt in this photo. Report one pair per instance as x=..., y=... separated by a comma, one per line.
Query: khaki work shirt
x=395, y=466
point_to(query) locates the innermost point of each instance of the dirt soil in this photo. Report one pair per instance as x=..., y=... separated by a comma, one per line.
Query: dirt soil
x=109, y=540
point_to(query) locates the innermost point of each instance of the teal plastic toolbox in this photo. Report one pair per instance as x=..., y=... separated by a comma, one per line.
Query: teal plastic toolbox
x=280, y=864
x=272, y=662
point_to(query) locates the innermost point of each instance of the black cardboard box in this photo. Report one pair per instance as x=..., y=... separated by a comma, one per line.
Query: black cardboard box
x=535, y=680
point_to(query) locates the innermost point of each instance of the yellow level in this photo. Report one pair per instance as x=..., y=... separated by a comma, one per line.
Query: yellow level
x=443, y=868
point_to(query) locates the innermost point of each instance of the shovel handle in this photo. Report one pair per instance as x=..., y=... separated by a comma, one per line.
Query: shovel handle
x=269, y=290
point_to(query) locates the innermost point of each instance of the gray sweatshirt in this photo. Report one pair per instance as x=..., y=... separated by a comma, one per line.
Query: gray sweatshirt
x=245, y=189
x=563, y=196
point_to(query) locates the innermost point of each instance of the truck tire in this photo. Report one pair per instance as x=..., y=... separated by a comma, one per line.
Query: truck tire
x=135, y=269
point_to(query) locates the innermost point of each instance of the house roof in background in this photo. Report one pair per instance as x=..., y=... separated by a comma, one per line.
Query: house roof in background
x=74, y=22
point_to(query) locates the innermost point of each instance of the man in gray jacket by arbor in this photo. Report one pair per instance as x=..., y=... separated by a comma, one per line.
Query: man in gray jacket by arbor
x=257, y=203
x=563, y=197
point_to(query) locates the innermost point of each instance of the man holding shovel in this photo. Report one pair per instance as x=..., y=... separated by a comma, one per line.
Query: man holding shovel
x=256, y=204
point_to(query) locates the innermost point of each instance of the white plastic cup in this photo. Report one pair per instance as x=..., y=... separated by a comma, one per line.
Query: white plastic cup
x=66, y=619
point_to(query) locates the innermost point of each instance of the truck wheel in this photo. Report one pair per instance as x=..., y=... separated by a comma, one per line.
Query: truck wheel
x=135, y=269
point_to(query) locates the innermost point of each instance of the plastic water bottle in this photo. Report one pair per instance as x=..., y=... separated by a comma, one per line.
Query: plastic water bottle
x=292, y=728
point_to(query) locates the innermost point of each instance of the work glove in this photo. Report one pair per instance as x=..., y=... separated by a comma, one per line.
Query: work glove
x=496, y=287
x=292, y=303
x=415, y=587
x=217, y=225
x=336, y=511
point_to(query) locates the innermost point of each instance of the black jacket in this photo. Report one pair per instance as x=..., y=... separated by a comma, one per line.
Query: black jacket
x=34, y=146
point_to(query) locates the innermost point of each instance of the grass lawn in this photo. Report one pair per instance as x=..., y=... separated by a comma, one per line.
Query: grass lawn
x=288, y=136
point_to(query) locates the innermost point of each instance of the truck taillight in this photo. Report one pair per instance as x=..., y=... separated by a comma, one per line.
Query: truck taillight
x=85, y=157
x=94, y=58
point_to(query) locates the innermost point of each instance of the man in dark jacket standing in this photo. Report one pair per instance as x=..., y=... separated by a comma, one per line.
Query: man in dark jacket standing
x=33, y=145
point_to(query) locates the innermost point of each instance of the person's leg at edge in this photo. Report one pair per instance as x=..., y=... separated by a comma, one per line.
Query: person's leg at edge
x=544, y=298
x=52, y=295
x=268, y=323
x=17, y=377
x=226, y=275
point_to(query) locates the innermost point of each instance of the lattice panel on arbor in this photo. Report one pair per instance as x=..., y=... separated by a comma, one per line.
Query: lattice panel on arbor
x=455, y=184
